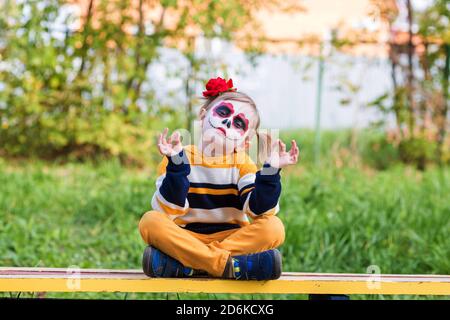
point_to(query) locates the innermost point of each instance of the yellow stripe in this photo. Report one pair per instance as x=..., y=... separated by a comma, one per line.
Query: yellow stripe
x=180, y=221
x=234, y=160
x=247, y=190
x=269, y=212
x=237, y=160
x=221, y=286
x=170, y=210
x=214, y=191
x=239, y=222
x=214, y=164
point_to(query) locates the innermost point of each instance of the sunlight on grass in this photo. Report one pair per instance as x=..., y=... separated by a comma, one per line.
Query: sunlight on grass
x=337, y=220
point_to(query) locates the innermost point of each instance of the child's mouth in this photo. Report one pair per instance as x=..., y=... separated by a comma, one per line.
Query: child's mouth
x=218, y=128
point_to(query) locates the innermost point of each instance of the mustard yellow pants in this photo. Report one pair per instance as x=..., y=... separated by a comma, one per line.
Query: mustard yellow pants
x=210, y=252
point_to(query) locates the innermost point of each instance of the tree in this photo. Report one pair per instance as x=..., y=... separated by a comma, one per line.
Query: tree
x=420, y=72
x=80, y=86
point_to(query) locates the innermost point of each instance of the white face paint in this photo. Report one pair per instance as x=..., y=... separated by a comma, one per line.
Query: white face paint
x=228, y=123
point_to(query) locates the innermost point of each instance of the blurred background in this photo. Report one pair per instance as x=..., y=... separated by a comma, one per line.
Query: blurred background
x=362, y=85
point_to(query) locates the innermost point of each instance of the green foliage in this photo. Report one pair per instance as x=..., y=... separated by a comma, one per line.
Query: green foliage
x=378, y=152
x=420, y=75
x=337, y=220
x=69, y=93
x=74, y=87
x=417, y=150
x=331, y=141
x=371, y=147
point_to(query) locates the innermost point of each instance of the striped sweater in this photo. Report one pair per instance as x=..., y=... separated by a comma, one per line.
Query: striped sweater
x=212, y=194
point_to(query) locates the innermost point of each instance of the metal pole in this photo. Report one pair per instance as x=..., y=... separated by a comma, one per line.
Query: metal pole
x=318, y=106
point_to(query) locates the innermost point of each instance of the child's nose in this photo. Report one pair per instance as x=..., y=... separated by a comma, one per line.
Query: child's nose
x=227, y=122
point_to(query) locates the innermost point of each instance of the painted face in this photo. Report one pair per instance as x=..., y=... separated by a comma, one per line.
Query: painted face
x=230, y=121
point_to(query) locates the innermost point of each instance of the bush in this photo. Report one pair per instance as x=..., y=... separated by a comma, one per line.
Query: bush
x=418, y=151
x=81, y=138
x=378, y=152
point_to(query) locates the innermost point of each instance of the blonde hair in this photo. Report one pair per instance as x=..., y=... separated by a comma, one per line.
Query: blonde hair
x=264, y=140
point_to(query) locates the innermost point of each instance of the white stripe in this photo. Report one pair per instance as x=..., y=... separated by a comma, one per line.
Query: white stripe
x=159, y=181
x=157, y=207
x=246, y=208
x=155, y=204
x=217, y=215
x=277, y=207
x=245, y=180
x=201, y=174
x=170, y=204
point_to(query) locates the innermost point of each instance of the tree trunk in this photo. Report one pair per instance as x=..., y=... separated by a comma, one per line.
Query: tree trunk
x=410, y=72
x=393, y=56
x=424, y=103
x=190, y=55
x=444, y=110
x=188, y=96
x=86, y=31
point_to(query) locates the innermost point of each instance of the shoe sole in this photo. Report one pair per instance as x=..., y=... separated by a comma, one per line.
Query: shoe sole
x=278, y=264
x=147, y=262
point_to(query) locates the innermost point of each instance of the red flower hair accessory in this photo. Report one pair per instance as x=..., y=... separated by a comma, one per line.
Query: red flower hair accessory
x=214, y=87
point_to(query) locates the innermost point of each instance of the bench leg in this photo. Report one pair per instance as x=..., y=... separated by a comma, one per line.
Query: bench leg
x=328, y=297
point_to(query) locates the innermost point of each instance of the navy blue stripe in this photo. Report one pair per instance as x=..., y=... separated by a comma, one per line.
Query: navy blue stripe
x=213, y=186
x=266, y=193
x=208, y=228
x=174, y=188
x=175, y=184
x=251, y=185
x=213, y=201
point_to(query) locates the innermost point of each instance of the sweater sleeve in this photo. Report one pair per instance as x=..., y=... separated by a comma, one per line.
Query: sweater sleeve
x=260, y=191
x=172, y=186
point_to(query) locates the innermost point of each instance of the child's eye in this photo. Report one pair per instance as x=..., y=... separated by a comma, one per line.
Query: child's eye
x=239, y=123
x=223, y=111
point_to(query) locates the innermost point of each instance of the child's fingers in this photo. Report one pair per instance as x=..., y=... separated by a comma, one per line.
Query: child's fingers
x=271, y=147
x=276, y=146
x=293, y=158
x=161, y=149
x=294, y=149
x=282, y=146
x=164, y=135
x=176, y=137
x=294, y=153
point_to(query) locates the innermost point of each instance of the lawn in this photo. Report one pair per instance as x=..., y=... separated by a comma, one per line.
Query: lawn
x=338, y=218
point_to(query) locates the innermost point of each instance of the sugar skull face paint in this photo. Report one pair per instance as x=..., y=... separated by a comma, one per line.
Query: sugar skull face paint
x=231, y=118
x=229, y=122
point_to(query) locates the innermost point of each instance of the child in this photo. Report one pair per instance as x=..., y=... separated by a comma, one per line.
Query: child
x=205, y=194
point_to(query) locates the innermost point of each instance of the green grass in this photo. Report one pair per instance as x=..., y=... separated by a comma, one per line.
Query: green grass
x=337, y=218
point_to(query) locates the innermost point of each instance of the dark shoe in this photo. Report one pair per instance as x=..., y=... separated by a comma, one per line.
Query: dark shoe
x=157, y=264
x=258, y=266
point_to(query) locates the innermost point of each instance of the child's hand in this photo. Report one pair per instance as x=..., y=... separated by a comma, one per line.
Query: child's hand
x=169, y=147
x=279, y=157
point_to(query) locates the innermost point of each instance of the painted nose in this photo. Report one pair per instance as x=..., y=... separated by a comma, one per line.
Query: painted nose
x=227, y=122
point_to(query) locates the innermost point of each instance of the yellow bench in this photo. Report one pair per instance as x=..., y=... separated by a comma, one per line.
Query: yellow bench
x=96, y=280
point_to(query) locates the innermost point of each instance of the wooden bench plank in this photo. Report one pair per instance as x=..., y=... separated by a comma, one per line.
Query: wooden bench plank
x=104, y=280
